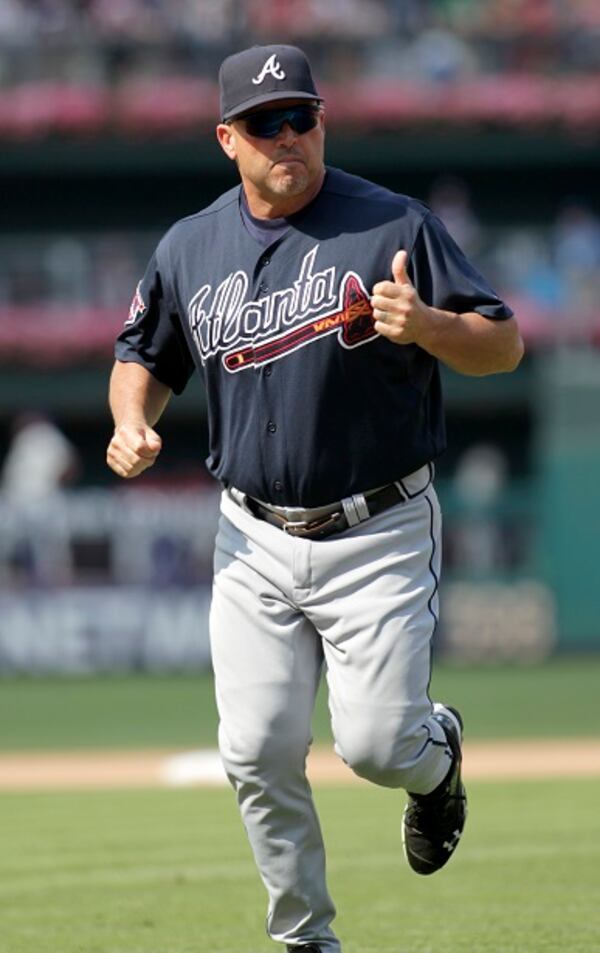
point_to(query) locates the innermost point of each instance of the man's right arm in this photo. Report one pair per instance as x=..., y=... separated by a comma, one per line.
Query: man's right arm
x=137, y=400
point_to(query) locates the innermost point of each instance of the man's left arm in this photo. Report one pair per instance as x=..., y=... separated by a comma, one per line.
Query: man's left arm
x=468, y=343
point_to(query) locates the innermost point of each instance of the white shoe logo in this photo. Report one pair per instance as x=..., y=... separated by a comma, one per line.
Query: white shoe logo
x=450, y=845
x=273, y=67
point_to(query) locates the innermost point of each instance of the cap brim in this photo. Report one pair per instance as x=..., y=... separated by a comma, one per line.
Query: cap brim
x=267, y=98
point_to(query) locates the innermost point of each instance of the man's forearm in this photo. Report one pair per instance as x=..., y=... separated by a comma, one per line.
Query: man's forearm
x=135, y=395
x=137, y=400
x=472, y=344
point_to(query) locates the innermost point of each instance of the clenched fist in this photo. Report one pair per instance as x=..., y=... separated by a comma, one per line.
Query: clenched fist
x=133, y=448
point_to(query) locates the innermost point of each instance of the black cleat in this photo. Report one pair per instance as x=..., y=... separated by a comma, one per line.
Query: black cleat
x=433, y=823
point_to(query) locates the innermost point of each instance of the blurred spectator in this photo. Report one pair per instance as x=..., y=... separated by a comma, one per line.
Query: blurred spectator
x=46, y=271
x=66, y=263
x=524, y=259
x=478, y=545
x=441, y=56
x=40, y=460
x=117, y=270
x=347, y=18
x=207, y=21
x=450, y=200
x=278, y=18
x=577, y=260
x=577, y=239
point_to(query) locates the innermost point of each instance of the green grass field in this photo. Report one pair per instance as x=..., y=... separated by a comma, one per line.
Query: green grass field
x=170, y=872
x=559, y=699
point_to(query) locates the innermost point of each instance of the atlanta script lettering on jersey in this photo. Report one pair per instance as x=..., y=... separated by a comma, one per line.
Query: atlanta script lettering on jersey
x=254, y=331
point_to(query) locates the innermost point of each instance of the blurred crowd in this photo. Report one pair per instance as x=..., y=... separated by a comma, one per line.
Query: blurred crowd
x=551, y=274
x=72, y=270
x=105, y=41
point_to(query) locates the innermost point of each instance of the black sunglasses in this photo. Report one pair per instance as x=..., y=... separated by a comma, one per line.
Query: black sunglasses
x=268, y=123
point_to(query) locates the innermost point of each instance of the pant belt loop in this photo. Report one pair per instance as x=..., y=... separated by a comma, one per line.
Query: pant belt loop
x=355, y=509
x=401, y=491
x=237, y=495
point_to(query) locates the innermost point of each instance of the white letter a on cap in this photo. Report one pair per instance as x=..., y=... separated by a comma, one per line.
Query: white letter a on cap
x=272, y=67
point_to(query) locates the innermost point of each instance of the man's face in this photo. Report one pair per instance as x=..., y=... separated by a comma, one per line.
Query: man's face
x=280, y=168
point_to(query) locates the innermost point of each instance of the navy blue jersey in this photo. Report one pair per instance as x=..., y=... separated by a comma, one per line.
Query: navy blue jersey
x=307, y=403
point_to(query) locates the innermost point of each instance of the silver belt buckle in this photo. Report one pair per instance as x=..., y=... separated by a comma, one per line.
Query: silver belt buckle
x=295, y=528
x=306, y=527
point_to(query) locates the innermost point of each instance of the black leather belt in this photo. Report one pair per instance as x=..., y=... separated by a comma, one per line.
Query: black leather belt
x=335, y=522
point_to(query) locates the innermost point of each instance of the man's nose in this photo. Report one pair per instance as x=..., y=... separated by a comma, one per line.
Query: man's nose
x=286, y=133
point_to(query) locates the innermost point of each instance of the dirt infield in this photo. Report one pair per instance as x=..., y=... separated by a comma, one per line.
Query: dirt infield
x=113, y=769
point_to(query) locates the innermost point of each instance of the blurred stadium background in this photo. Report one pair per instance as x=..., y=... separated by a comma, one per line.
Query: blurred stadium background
x=488, y=110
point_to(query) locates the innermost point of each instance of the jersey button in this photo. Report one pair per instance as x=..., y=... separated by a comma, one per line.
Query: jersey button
x=278, y=485
x=268, y=370
x=271, y=427
x=263, y=287
x=265, y=261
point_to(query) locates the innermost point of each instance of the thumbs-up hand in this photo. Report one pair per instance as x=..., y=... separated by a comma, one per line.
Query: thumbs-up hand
x=398, y=311
x=133, y=448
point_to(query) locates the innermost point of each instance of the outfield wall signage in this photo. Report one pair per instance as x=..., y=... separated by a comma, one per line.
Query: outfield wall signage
x=110, y=629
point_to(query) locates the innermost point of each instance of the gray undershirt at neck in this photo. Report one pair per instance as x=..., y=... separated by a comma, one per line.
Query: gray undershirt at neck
x=263, y=230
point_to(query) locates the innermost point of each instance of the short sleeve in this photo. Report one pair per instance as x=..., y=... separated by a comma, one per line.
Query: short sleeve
x=445, y=278
x=153, y=336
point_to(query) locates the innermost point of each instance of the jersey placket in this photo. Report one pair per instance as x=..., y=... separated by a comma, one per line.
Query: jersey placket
x=271, y=426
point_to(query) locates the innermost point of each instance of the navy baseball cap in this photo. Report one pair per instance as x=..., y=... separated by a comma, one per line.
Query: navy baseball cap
x=263, y=74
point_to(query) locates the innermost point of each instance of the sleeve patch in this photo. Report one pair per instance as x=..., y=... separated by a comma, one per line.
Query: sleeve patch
x=137, y=306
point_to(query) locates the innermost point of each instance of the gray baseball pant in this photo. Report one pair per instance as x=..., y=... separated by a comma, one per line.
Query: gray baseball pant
x=364, y=601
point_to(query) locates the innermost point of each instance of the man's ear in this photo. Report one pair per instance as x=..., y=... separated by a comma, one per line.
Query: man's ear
x=226, y=139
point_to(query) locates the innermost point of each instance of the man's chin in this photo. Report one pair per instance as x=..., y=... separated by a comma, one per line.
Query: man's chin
x=290, y=182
